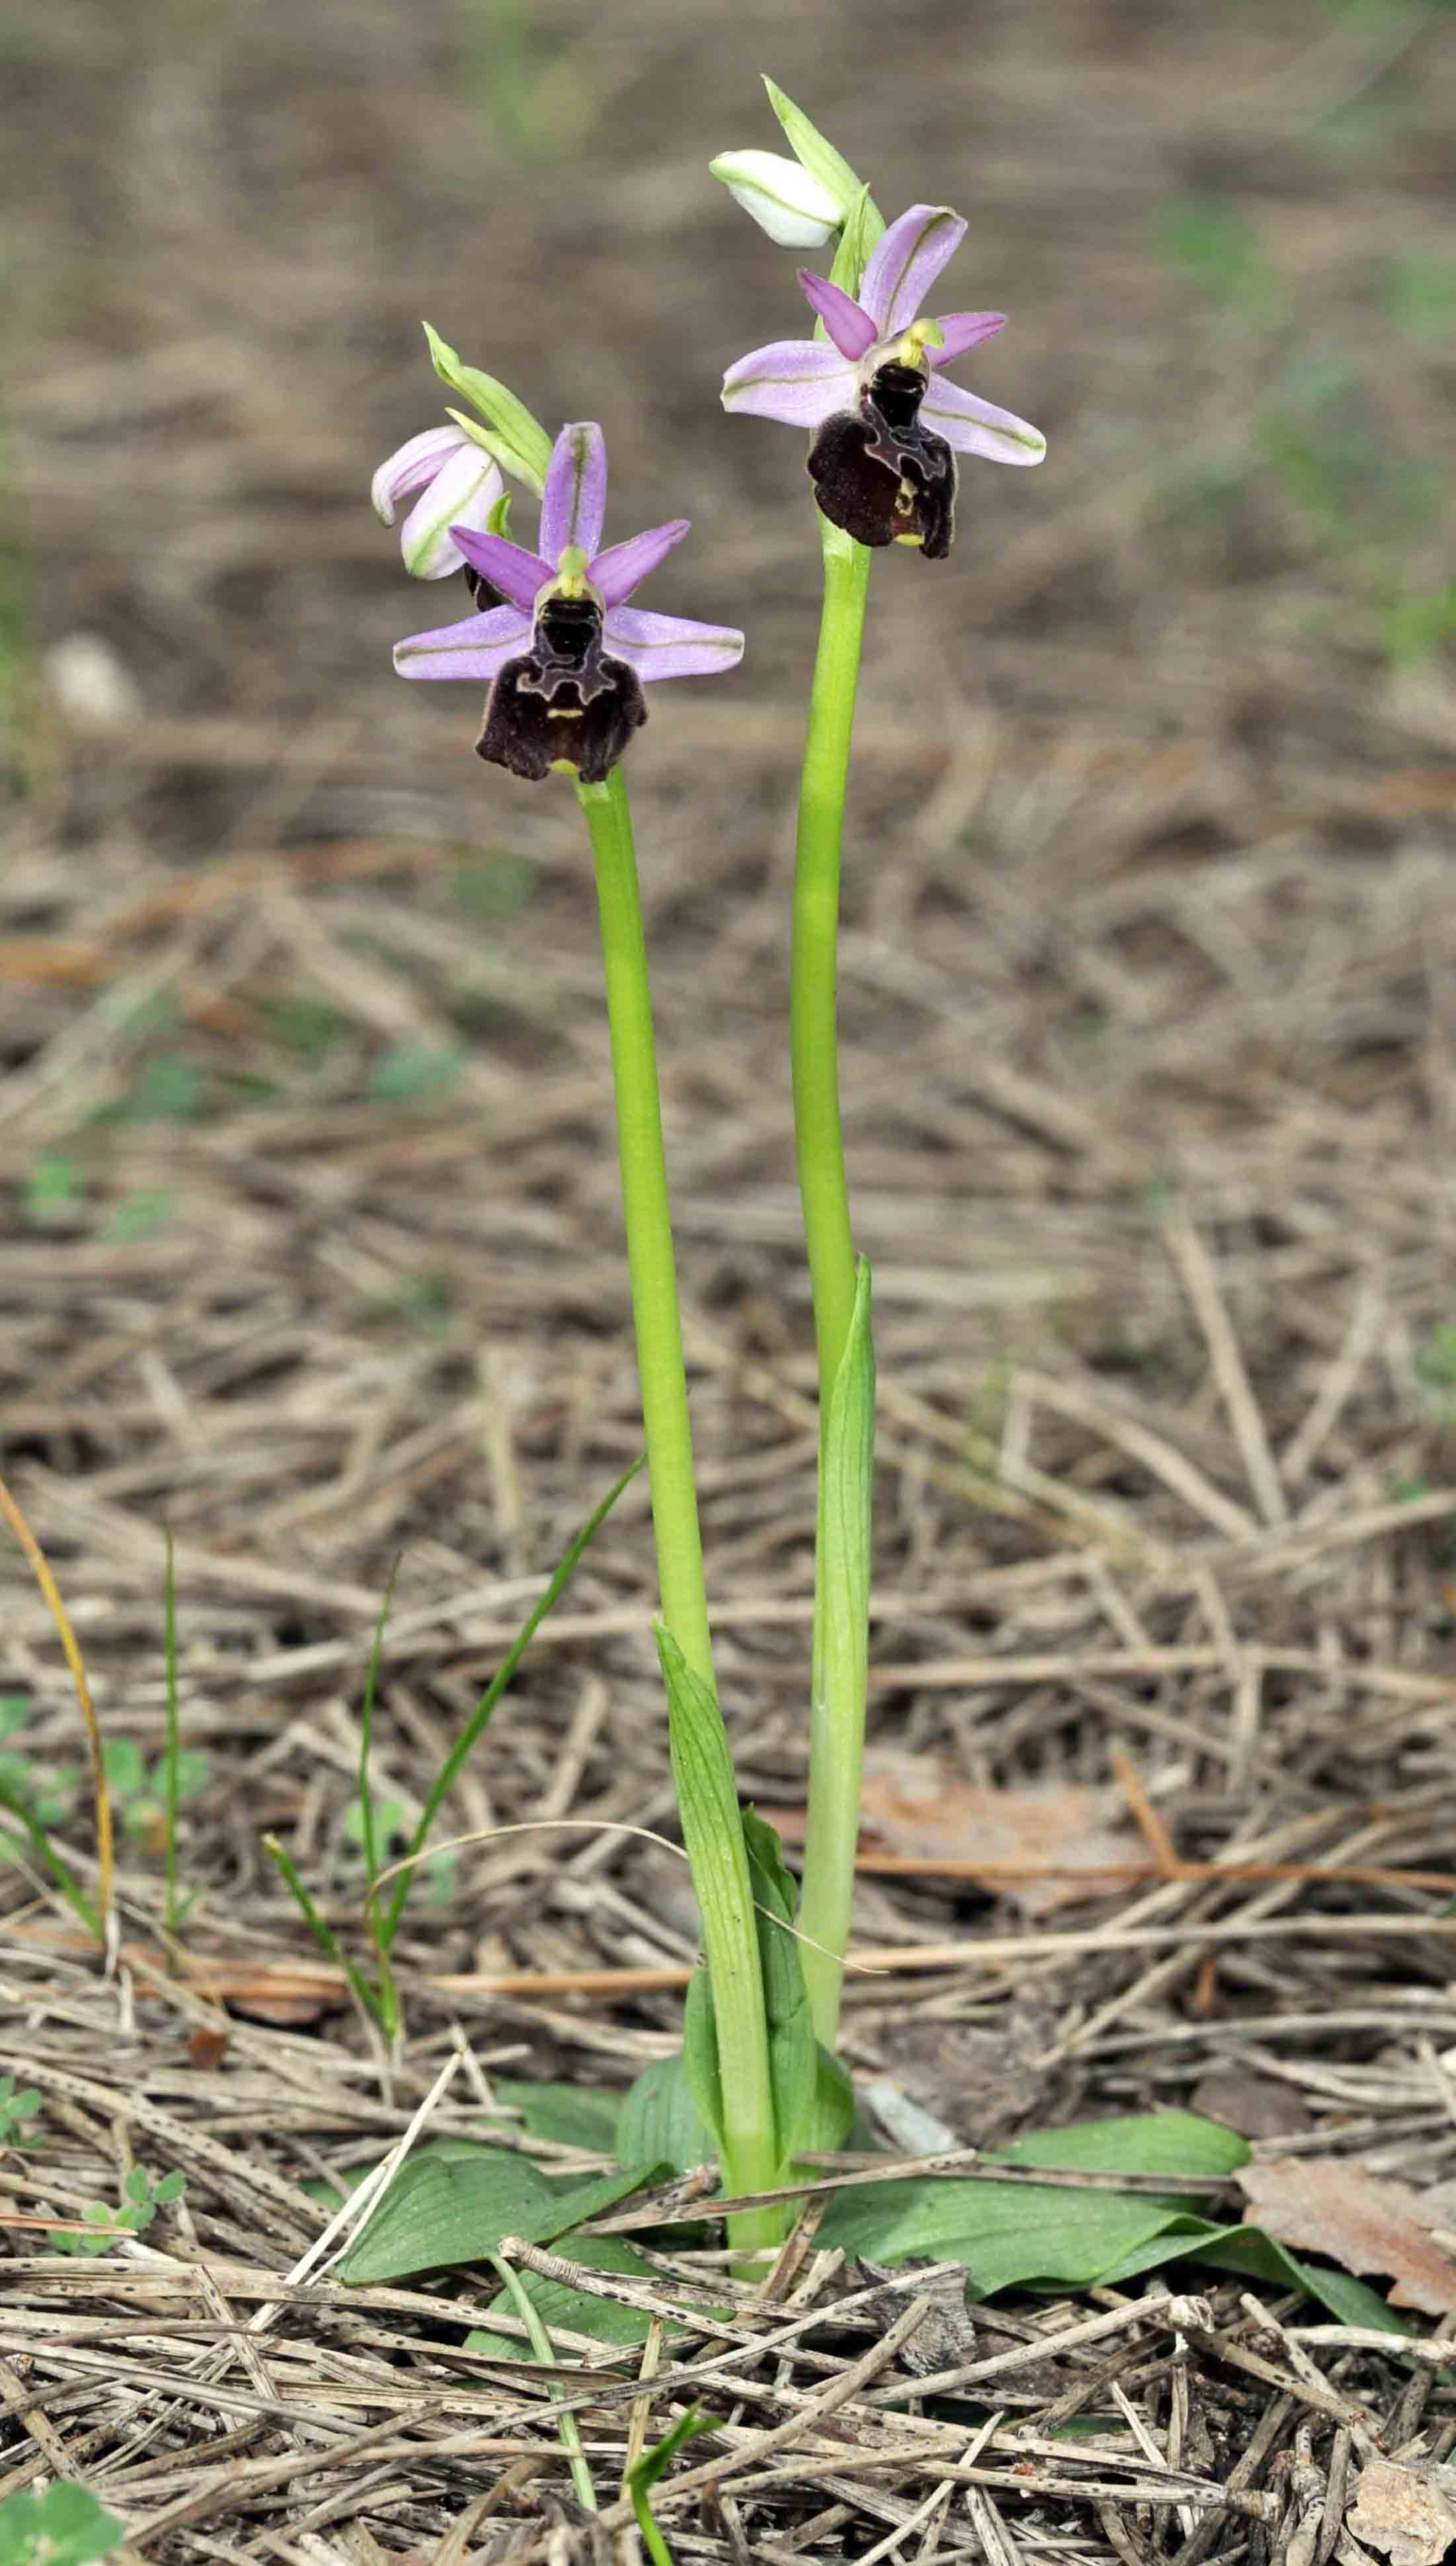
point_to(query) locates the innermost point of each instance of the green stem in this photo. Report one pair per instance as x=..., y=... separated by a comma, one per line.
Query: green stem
x=668, y=1434
x=813, y=1031
x=748, y=2135
x=836, y=1714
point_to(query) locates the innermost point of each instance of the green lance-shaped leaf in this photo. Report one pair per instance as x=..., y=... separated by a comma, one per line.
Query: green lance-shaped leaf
x=442, y=2209
x=814, y=2105
x=712, y=1832
x=702, y=2071
x=659, y=2119
x=823, y=163
x=793, y=2057
x=519, y=443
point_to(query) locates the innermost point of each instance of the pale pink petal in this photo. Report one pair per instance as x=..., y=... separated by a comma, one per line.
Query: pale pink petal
x=519, y=575
x=410, y=466
x=574, y=502
x=906, y=262
x=798, y=381
x=670, y=645
x=850, y=326
x=962, y=330
x=976, y=426
x=615, y=573
x=463, y=492
x=478, y=648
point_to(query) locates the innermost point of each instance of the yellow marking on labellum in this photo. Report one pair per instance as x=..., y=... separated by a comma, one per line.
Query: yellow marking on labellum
x=571, y=575
x=563, y=766
x=914, y=541
x=914, y=341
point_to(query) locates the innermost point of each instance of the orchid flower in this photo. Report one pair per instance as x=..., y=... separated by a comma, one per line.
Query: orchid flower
x=885, y=419
x=565, y=656
x=458, y=484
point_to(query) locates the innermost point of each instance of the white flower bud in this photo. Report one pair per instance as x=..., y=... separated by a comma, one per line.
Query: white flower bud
x=784, y=200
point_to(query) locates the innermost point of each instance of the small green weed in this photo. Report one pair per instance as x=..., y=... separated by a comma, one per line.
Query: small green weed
x=139, y=1789
x=308, y=1025
x=18, y=2105
x=1415, y=628
x=497, y=887
x=54, y=1192
x=166, y=1088
x=47, y=1797
x=139, y=1215
x=142, y=2199
x=1420, y=294
x=410, y=1073
x=64, y=2526
x=1216, y=242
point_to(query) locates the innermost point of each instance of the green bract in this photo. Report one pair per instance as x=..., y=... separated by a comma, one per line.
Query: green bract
x=518, y=441
x=821, y=159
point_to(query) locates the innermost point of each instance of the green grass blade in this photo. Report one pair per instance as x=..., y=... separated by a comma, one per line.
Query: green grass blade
x=173, y=1753
x=541, y=2345
x=445, y=1778
x=322, y=1933
x=61, y=1872
x=651, y=2467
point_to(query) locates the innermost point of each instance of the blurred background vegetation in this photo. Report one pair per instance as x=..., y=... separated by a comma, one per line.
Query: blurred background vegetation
x=1154, y=777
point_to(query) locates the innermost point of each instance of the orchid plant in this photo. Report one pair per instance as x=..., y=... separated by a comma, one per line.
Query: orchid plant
x=565, y=656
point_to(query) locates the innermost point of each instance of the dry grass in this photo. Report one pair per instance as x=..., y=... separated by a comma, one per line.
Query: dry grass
x=314, y=1248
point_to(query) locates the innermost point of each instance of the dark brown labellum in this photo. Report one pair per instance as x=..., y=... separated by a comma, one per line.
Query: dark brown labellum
x=481, y=591
x=881, y=473
x=563, y=699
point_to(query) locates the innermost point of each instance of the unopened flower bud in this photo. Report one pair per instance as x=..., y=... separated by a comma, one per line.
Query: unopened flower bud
x=785, y=200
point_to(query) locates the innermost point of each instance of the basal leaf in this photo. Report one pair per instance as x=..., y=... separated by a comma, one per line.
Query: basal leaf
x=1011, y=2233
x=558, y=2304
x=659, y=2122
x=1249, y=2250
x=571, y=2116
x=1350, y=2301
x=832, y=2122
x=64, y=2526
x=441, y=2210
x=1006, y=2235
x=1178, y=2142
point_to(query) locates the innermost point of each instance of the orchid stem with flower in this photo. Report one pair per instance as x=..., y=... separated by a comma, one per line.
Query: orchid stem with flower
x=886, y=427
x=566, y=657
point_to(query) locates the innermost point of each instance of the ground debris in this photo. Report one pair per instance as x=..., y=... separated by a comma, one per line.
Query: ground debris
x=1366, y=2221
x=1406, y=2510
